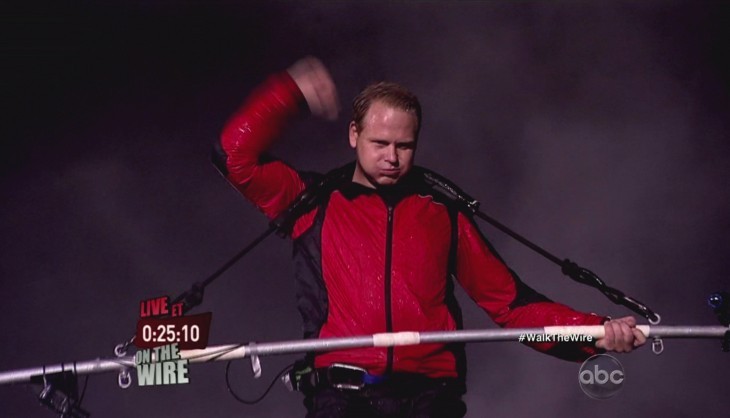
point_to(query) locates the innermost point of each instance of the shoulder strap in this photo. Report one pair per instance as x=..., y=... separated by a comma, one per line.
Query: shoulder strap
x=312, y=196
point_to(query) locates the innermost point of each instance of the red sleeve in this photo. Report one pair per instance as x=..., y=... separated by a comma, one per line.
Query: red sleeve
x=250, y=132
x=508, y=301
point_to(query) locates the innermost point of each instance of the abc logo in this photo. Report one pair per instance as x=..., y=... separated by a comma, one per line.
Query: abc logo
x=601, y=376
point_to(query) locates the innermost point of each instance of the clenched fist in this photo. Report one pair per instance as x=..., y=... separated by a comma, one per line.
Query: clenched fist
x=317, y=86
x=621, y=335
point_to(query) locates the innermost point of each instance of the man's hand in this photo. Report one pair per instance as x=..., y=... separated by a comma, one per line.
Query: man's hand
x=621, y=335
x=317, y=86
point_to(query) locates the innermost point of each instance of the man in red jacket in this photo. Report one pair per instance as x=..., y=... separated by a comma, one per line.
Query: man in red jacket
x=377, y=254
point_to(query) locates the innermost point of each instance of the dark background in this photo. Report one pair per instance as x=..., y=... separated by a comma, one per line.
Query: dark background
x=600, y=130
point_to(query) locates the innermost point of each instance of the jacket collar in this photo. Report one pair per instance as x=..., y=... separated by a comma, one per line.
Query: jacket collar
x=407, y=186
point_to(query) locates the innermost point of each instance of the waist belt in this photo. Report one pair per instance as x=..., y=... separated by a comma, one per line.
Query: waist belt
x=345, y=377
x=353, y=378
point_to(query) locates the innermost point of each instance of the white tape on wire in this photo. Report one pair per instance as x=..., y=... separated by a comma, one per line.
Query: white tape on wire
x=397, y=338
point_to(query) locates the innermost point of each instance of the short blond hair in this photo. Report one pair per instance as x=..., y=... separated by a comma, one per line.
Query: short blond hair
x=389, y=93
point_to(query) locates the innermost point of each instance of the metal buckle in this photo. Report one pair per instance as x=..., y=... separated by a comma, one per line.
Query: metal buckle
x=346, y=377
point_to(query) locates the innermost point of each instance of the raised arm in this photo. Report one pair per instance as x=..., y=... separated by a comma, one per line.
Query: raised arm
x=270, y=184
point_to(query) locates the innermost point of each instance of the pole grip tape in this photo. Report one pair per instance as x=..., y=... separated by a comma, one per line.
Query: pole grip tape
x=396, y=338
x=595, y=331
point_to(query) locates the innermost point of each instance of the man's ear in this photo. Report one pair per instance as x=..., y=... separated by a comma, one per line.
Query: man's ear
x=353, y=134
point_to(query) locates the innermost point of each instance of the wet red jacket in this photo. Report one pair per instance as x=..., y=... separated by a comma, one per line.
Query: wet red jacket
x=376, y=263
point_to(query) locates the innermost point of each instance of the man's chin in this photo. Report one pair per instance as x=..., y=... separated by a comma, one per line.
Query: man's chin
x=383, y=179
x=387, y=180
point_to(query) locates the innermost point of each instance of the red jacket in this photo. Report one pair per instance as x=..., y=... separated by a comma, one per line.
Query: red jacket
x=368, y=266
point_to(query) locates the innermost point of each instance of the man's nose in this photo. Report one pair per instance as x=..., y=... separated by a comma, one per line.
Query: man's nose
x=391, y=155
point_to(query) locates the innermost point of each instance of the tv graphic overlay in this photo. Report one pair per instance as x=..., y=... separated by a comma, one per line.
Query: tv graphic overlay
x=162, y=331
x=601, y=376
x=161, y=366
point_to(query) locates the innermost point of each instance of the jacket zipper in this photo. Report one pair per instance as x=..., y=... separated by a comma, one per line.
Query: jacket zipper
x=388, y=296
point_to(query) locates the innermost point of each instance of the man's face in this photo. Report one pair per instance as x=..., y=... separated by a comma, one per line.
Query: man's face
x=385, y=145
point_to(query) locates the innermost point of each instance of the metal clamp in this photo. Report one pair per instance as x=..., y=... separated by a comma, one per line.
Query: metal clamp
x=255, y=361
x=121, y=349
x=124, y=379
x=657, y=346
